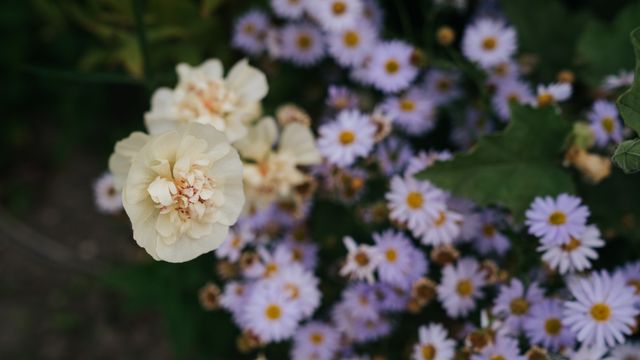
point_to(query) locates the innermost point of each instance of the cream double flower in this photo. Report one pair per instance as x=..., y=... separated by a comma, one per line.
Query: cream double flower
x=204, y=96
x=273, y=174
x=182, y=189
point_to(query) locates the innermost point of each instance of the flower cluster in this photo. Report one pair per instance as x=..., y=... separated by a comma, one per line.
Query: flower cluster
x=491, y=285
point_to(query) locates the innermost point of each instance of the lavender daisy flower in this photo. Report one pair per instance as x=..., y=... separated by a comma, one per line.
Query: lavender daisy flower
x=515, y=303
x=605, y=123
x=335, y=15
x=360, y=301
x=603, y=311
x=350, y=136
x=489, y=42
x=350, y=46
x=414, y=202
x=555, y=221
x=391, y=298
x=544, y=326
x=631, y=273
x=443, y=229
x=301, y=288
x=302, y=43
x=362, y=260
x=270, y=314
x=393, y=154
x=341, y=98
x=290, y=9
x=412, y=111
x=434, y=344
x=461, y=287
x=390, y=68
x=442, y=85
x=250, y=32
x=502, y=348
x=397, y=259
x=489, y=239
x=424, y=159
x=553, y=93
x=576, y=255
x=315, y=340
x=510, y=91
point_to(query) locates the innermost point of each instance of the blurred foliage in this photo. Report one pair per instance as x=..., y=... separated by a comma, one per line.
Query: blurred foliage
x=627, y=155
x=600, y=40
x=629, y=102
x=78, y=75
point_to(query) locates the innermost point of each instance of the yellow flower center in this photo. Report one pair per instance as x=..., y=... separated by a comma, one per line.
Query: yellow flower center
x=545, y=99
x=392, y=66
x=489, y=43
x=557, y=218
x=428, y=352
x=297, y=254
x=316, y=338
x=249, y=28
x=464, y=288
x=497, y=357
x=414, y=200
x=347, y=137
x=443, y=85
x=600, y=312
x=351, y=39
x=407, y=105
x=270, y=269
x=501, y=69
x=236, y=242
x=292, y=290
x=391, y=255
x=607, y=124
x=361, y=258
x=339, y=7
x=553, y=326
x=273, y=312
x=304, y=41
x=519, y=306
x=489, y=231
x=442, y=218
x=571, y=245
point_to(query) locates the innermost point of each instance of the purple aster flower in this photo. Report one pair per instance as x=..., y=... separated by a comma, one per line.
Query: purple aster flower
x=556, y=221
x=544, y=326
x=515, y=303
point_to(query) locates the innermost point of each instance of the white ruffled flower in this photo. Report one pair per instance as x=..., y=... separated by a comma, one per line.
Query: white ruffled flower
x=204, y=96
x=182, y=191
x=274, y=173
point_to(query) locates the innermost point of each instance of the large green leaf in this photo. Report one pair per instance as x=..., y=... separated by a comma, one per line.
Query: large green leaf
x=627, y=156
x=513, y=167
x=629, y=102
x=604, y=48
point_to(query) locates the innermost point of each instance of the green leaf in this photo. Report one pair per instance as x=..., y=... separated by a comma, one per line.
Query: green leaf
x=629, y=102
x=513, y=167
x=627, y=156
x=599, y=41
